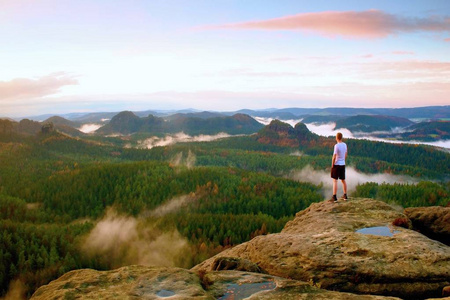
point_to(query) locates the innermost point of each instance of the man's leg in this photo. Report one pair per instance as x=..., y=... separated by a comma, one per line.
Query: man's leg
x=344, y=186
x=334, y=186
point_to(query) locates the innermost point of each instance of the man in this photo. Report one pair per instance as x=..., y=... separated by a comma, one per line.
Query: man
x=338, y=167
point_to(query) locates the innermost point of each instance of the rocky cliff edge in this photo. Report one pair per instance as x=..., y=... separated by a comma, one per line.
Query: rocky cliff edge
x=348, y=250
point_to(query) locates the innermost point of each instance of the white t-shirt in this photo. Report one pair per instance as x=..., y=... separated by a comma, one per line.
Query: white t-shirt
x=340, y=149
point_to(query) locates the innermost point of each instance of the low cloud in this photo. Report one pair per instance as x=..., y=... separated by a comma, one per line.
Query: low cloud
x=180, y=160
x=171, y=206
x=297, y=153
x=124, y=240
x=16, y=291
x=266, y=121
x=180, y=137
x=328, y=130
x=353, y=178
x=88, y=128
x=24, y=88
x=354, y=24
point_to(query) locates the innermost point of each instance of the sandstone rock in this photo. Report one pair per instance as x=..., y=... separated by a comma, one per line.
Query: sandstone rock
x=132, y=282
x=433, y=222
x=321, y=245
x=139, y=282
x=446, y=291
x=237, y=264
x=245, y=285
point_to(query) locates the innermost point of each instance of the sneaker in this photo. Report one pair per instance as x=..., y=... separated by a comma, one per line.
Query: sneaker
x=344, y=197
x=333, y=199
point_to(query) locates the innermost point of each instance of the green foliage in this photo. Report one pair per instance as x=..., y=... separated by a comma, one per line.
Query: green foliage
x=133, y=187
x=236, y=191
x=126, y=122
x=428, y=131
x=424, y=193
x=210, y=233
x=371, y=123
x=419, y=160
x=38, y=253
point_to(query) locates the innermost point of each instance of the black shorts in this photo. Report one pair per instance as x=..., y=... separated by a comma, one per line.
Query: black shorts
x=338, y=172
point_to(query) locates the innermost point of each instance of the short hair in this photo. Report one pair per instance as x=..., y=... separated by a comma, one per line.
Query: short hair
x=339, y=136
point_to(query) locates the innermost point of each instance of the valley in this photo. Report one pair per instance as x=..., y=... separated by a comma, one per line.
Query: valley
x=178, y=204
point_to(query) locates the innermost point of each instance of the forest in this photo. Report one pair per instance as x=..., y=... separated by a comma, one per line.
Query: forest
x=56, y=189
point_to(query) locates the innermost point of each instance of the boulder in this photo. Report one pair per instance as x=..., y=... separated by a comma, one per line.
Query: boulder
x=245, y=285
x=237, y=264
x=446, y=291
x=131, y=282
x=139, y=282
x=433, y=221
x=353, y=247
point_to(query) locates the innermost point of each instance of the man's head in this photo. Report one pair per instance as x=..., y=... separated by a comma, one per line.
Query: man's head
x=338, y=136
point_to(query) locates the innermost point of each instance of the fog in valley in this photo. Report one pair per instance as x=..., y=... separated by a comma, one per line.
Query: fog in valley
x=178, y=138
x=353, y=178
x=126, y=240
x=89, y=128
x=328, y=130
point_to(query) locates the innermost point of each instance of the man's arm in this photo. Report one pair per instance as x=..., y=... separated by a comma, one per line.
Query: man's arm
x=333, y=160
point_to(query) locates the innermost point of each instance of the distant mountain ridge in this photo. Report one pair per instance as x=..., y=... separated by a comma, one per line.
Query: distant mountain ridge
x=30, y=127
x=426, y=112
x=369, y=123
x=424, y=131
x=385, y=123
x=204, y=123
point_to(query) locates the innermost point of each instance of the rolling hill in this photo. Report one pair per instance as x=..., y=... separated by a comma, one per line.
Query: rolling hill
x=128, y=123
x=368, y=123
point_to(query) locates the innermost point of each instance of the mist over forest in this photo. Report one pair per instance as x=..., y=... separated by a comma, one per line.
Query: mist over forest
x=174, y=189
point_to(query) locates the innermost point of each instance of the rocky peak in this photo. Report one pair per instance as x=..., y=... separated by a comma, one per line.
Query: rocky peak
x=243, y=118
x=278, y=133
x=125, y=122
x=302, y=132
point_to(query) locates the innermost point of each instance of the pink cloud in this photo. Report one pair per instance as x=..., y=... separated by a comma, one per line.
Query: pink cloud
x=403, y=52
x=435, y=67
x=21, y=88
x=401, y=71
x=447, y=40
x=251, y=73
x=283, y=59
x=364, y=24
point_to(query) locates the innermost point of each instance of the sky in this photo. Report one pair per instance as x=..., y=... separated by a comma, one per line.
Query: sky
x=61, y=56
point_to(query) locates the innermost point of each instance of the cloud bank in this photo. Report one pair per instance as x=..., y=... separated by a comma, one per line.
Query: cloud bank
x=328, y=130
x=23, y=88
x=355, y=24
x=180, y=137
